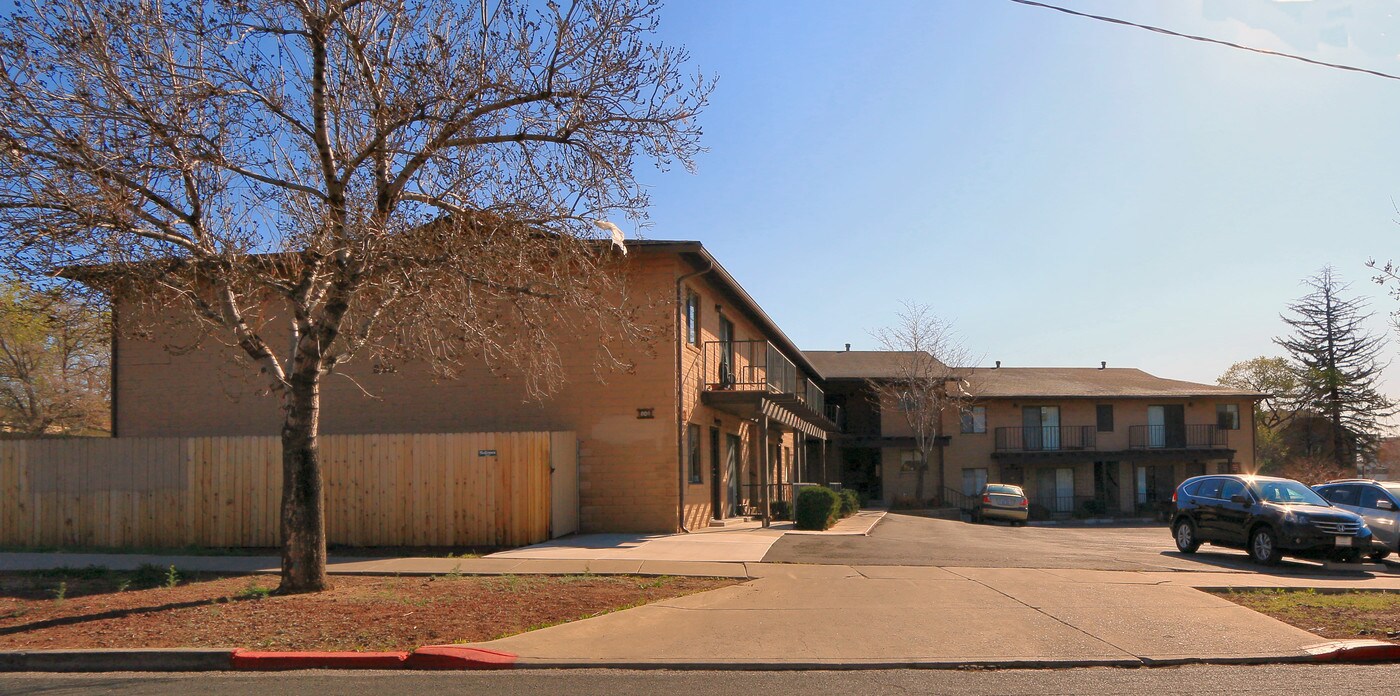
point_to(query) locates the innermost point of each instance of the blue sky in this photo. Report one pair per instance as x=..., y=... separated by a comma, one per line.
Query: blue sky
x=1067, y=191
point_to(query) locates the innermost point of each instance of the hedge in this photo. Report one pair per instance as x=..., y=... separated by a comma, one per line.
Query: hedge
x=817, y=508
x=850, y=502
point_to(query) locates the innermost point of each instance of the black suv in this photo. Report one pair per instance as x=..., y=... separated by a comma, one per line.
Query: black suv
x=1265, y=516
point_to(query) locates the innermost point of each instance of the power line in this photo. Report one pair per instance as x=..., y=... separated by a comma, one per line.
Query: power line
x=1206, y=39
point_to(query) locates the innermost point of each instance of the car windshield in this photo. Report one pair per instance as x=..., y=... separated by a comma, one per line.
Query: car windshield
x=1003, y=490
x=1287, y=493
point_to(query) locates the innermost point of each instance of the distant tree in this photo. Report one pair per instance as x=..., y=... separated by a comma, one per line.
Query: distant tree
x=53, y=362
x=926, y=385
x=1278, y=378
x=320, y=181
x=1339, y=364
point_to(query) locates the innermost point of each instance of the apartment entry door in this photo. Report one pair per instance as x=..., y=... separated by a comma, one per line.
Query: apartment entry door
x=1040, y=427
x=1166, y=426
x=716, y=477
x=1055, y=488
x=731, y=466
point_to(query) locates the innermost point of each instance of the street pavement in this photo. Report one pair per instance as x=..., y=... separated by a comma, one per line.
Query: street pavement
x=908, y=540
x=1252, y=680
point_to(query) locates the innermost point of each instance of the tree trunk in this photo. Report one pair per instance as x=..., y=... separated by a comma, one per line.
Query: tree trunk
x=919, y=479
x=303, y=516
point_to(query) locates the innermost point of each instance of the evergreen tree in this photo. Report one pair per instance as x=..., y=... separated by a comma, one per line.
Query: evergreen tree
x=1341, y=366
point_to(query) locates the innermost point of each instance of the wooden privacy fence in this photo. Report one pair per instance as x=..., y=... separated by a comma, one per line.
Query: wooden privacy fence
x=457, y=489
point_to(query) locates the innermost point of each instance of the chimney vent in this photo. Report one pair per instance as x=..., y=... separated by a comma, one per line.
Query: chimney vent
x=1103, y=364
x=848, y=347
x=998, y=365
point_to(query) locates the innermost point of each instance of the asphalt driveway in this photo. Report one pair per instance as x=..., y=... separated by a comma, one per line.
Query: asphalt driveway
x=909, y=540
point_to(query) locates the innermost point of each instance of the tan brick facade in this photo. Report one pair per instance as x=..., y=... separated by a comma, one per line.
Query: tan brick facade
x=629, y=476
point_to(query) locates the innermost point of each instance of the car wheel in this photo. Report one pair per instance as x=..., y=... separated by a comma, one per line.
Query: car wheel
x=1378, y=555
x=1185, y=533
x=1263, y=547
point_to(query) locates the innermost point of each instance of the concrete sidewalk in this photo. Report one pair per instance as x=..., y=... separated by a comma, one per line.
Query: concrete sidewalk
x=812, y=616
x=376, y=566
x=745, y=543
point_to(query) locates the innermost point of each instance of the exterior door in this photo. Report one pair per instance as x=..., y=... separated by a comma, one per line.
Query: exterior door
x=1040, y=427
x=716, y=477
x=1174, y=418
x=726, y=353
x=732, y=471
x=1156, y=426
x=1380, y=516
x=1064, y=489
x=1230, y=516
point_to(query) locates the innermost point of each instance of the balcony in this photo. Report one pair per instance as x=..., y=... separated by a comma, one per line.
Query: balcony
x=1176, y=437
x=733, y=369
x=1048, y=438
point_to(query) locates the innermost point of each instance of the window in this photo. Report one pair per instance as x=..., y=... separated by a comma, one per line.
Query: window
x=908, y=402
x=974, y=419
x=1210, y=488
x=692, y=443
x=1340, y=495
x=1227, y=416
x=1105, y=414
x=1371, y=497
x=1231, y=489
x=909, y=461
x=692, y=318
x=973, y=481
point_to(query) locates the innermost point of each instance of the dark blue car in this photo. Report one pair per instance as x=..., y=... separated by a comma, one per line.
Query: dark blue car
x=1267, y=517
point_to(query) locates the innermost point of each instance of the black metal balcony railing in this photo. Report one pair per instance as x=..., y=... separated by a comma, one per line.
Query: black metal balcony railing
x=757, y=366
x=1046, y=438
x=1176, y=437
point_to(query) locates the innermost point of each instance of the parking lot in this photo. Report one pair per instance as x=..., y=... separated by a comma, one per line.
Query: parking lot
x=903, y=539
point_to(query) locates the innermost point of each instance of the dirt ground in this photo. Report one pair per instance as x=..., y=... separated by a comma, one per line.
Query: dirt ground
x=150, y=608
x=1370, y=615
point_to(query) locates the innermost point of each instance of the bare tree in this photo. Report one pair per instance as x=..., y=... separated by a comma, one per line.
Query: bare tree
x=316, y=180
x=928, y=382
x=53, y=362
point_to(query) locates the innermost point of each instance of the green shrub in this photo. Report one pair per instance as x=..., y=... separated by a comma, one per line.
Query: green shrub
x=850, y=502
x=817, y=508
x=780, y=509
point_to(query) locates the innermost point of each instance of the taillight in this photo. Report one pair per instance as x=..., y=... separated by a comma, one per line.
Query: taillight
x=987, y=499
x=1173, y=497
x=1025, y=502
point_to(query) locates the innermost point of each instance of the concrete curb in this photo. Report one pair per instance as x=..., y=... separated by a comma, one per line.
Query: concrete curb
x=137, y=660
x=461, y=657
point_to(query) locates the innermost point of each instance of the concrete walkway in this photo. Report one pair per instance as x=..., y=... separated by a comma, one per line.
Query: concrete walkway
x=376, y=566
x=747, y=542
x=810, y=616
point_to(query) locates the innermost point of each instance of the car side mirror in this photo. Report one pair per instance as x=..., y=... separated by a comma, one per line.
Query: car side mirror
x=1384, y=505
x=1241, y=499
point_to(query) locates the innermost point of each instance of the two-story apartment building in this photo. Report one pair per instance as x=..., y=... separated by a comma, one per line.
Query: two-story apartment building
x=1079, y=440
x=709, y=424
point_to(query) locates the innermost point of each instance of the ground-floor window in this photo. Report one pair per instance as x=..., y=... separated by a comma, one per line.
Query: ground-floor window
x=692, y=442
x=973, y=480
x=908, y=461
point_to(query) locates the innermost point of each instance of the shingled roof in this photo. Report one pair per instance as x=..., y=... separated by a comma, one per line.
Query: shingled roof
x=857, y=364
x=1027, y=382
x=1078, y=382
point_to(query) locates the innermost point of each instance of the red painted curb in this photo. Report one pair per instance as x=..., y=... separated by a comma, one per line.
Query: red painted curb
x=255, y=660
x=458, y=657
x=1356, y=651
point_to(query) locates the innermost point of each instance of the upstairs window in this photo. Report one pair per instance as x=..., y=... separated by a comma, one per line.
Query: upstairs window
x=974, y=419
x=692, y=318
x=1227, y=416
x=1105, y=417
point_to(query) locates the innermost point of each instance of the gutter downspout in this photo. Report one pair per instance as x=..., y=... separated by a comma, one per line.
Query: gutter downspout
x=680, y=392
